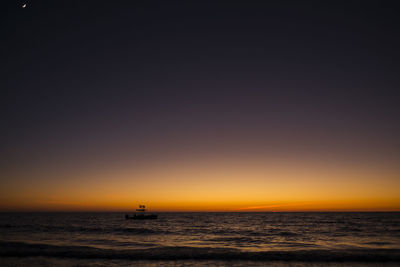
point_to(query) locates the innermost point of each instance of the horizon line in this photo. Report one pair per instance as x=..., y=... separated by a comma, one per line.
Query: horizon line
x=194, y=211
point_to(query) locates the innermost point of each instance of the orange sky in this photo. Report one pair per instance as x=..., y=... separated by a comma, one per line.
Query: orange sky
x=208, y=185
x=200, y=107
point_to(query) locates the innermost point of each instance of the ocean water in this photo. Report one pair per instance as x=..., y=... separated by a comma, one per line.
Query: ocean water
x=200, y=239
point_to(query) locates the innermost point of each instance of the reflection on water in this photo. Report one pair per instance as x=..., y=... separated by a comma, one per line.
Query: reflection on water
x=244, y=231
x=185, y=238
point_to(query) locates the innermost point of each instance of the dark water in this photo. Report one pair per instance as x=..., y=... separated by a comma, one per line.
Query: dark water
x=224, y=239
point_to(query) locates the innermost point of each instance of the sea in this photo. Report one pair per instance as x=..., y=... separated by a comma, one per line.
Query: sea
x=201, y=239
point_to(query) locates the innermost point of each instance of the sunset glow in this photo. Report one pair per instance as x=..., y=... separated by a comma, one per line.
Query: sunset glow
x=200, y=133
x=210, y=186
x=199, y=108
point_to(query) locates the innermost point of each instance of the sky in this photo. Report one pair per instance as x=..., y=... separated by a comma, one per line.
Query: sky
x=200, y=105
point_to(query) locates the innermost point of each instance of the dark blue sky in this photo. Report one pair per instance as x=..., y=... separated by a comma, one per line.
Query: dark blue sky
x=90, y=81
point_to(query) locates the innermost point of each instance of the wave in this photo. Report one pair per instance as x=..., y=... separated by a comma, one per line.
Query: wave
x=143, y=230
x=253, y=233
x=84, y=229
x=20, y=249
x=236, y=240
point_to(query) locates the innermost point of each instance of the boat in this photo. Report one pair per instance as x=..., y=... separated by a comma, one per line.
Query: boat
x=141, y=214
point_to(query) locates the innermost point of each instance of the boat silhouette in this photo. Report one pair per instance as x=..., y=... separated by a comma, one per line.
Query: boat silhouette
x=141, y=214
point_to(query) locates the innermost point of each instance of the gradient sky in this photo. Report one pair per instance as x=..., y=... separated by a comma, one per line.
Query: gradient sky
x=200, y=105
